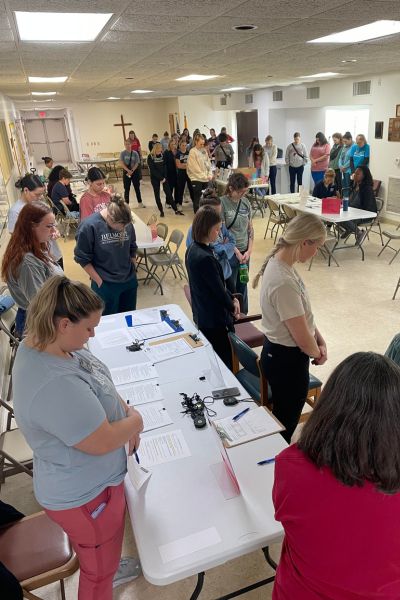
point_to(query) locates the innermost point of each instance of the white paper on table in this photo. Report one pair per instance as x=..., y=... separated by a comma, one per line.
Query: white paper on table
x=137, y=474
x=154, y=415
x=108, y=319
x=139, y=372
x=147, y=332
x=255, y=424
x=189, y=544
x=167, y=350
x=111, y=339
x=146, y=317
x=140, y=393
x=162, y=448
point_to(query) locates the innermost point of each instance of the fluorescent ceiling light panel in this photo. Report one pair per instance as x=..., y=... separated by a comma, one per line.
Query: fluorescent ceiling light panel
x=195, y=77
x=328, y=74
x=141, y=91
x=233, y=89
x=60, y=27
x=371, y=31
x=43, y=93
x=113, y=98
x=47, y=79
x=41, y=101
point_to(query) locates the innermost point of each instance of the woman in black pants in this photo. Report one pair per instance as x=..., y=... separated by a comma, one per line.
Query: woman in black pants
x=198, y=169
x=169, y=159
x=213, y=306
x=158, y=175
x=181, y=159
x=291, y=337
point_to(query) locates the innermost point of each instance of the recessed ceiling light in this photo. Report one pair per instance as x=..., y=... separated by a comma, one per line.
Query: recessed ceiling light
x=195, y=77
x=60, y=27
x=328, y=74
x=244, y=27
x=43, y=93
x=113, y=98
x=41, y=101
x=47, y=79
x=360, y=34
x=350, y=60
x=141, y=91
x=233, y=89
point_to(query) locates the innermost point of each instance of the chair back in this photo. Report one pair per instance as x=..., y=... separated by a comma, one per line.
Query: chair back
x=245, y=355
x=186, y=289
x=162, y=230
x=289, y=212
x=175, y=238
x=379, y=205
x=273, y=207
x=376, y=186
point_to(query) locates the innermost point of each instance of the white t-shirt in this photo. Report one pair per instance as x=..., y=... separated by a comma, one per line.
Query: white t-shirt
x=283, y=296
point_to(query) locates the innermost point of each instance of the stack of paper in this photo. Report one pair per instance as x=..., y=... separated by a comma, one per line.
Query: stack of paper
x=150, y=331
x=166, y=350
x=130, y=373
x=140, y=393
x=154, y=415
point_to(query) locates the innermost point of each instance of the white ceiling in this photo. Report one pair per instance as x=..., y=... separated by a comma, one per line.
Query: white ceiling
x=153, y=42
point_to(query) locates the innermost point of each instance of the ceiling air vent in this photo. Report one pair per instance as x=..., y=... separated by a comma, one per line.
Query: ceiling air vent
x=312, y=93
x=361, y=88
x=248, y=99
x=223, y=101
x=277, y=96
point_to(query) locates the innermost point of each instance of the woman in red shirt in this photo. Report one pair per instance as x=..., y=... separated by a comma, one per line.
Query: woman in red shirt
x=135, y=142
x=337, y=491
x=319, y=156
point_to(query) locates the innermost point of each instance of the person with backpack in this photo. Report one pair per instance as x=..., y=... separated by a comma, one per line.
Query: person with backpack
x=223, y=153
x=296, y=157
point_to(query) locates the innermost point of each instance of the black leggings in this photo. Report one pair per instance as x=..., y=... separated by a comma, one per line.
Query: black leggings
x=219, y=340
x=272, y=179
x=182, y=180
x=286, y=369
x=293, y=173
x=198, y=187
x=167, y=191
x=134, y=179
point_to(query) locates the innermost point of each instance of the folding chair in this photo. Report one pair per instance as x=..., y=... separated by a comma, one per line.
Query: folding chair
x=38, y=552
x=390, y=235
x=276, y=217
x=68, y=220
x=168, y=259
x=376, y=221
x=8, y=312
x=15, y=454
x=244, y=327
x=254, y=381
x=162, y=232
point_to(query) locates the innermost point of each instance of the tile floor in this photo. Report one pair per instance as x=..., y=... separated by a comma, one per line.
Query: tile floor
x=354, y=311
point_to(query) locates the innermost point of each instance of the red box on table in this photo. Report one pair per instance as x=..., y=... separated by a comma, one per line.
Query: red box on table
x=331, y=206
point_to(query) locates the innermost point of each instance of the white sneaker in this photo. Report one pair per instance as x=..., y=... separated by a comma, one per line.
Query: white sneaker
x=141, y=205
x=128, y=570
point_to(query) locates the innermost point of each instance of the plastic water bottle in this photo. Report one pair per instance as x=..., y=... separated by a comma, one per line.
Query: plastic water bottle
x=345, y=203
x=244, y=273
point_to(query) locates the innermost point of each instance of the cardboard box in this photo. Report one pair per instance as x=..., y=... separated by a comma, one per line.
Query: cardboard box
x=331, y=206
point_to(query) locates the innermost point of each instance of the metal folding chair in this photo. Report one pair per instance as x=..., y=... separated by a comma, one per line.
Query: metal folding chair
x=276, y=217
x=169, y=259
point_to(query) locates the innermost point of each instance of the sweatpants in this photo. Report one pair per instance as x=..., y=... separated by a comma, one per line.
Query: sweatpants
x=117, y=297
x=182, y=181
x=134, y=179
x=167, y=191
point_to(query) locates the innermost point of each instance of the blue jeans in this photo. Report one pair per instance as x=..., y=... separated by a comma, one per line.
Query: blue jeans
x=346, y=184
x=117, y=297
x=317, y=176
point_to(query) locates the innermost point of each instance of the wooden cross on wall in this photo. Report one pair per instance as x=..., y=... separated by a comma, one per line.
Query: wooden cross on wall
x=122, y=124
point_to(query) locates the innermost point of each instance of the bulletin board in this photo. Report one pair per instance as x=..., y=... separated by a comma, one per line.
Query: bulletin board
x=17, y=149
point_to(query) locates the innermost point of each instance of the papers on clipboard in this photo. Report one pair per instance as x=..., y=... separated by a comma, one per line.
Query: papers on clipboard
x=136, y=473
x=143, y=317
x=114, y=338
x=140, y=393
x=150, y=331
x=138, y=372
x=162, y=448
x=165, y=351
x=257, y=423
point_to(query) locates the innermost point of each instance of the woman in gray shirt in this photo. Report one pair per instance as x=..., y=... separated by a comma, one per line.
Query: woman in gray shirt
x=77, y=426
x=27, y=261
x=296, y=157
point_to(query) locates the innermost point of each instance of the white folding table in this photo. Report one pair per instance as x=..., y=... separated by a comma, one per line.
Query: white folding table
x=190, y=499
x=313, y=206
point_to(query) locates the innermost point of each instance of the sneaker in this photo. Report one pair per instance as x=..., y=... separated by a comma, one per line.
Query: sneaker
x=128, y=570
x=179, y=212
x=186, y=201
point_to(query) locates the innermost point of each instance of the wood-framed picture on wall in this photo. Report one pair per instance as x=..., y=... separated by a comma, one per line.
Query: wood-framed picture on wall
x=397, y=110
x=394, y=130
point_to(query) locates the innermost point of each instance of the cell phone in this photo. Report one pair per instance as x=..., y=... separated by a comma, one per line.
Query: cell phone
x=225, y=393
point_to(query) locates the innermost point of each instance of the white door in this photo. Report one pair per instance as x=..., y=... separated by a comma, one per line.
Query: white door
x=48, y=137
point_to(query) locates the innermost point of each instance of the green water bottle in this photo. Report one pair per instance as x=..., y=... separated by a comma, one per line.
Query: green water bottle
x=244, y=273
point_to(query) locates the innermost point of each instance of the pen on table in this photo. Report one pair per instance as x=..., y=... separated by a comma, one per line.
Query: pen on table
x=266, y=461
x=239, y=415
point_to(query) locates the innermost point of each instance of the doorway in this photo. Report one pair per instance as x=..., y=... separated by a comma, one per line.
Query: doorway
x=48, y=137
x=247, y=128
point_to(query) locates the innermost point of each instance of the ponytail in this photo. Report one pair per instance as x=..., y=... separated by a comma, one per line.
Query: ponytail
x=278, y=246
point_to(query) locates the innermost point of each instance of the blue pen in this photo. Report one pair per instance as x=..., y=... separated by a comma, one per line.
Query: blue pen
x=239, y=415
x=137, y=457
x=267, y=461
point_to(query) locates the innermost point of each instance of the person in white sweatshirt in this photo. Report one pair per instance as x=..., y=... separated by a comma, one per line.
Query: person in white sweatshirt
x=198, y=169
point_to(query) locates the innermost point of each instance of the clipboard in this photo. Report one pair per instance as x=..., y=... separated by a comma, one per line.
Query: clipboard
x=183, y=336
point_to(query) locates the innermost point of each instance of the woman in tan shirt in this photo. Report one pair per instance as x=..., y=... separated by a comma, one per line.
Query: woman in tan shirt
x=198, y=169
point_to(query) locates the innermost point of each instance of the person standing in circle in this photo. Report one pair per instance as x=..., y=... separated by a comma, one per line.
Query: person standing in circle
x=198, y=169
x=95, y=198
x=291, y=336
x=106, y=250
x=296, y=157
x=181, y=159
x=158, y=176
x=77, y=426
x=319, y=156
x=130, y=162
x=271, y=149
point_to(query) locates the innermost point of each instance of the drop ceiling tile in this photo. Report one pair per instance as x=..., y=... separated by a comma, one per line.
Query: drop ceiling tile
x=138, y=37
x=158, y=23
x=282, y=8
x=184, y=8
x=365, y=11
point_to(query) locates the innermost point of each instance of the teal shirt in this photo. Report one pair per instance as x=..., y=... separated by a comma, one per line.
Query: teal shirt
x=58, y=403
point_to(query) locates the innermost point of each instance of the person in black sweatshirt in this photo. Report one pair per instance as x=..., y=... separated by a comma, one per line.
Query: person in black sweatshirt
x=362, y=197
x=158, y=175
x=213, y=306
x=169, y=159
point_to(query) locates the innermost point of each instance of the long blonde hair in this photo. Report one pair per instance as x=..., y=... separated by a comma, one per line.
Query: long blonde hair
x=301, y=228
x=58, y=298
